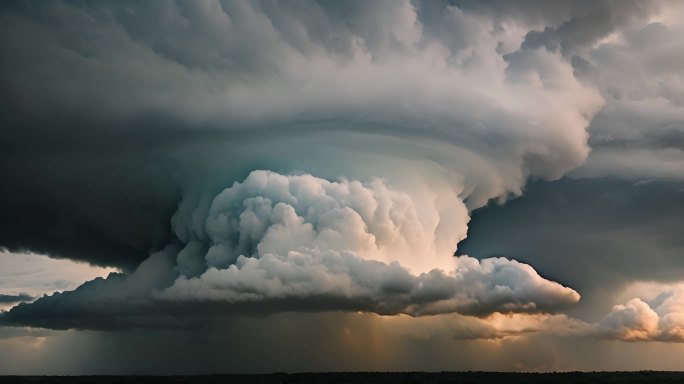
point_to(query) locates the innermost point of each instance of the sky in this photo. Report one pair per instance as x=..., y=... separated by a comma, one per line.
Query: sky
x=293, y=186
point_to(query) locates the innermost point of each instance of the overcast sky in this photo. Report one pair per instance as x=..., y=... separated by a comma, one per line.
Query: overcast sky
x=258, y=186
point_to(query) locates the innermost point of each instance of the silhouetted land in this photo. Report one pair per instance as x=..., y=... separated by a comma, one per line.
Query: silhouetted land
x=373, y=378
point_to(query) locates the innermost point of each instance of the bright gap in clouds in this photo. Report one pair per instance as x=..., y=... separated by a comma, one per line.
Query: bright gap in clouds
x=27, y=276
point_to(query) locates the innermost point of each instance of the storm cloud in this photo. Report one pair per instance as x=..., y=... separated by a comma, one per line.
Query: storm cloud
x=246, y=162
x=298, y=243
x=5, y=299
x=157, y=121
x=605, y=234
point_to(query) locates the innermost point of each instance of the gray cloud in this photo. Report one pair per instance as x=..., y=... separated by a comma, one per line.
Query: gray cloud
x=658, y=319
x=638, y=134
x=117, y=303
x=26, y=277
x=9, y=299
x=143, y=104
x=585, y=25
x=596, y=235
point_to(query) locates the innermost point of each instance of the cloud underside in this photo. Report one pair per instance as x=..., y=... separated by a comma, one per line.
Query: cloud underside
x=18, y=298
x=101, y=304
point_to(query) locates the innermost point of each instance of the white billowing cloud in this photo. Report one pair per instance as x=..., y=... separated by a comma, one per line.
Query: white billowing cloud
x=283, y=238
x=634, y=320
x=270, y=213
x=671, y=313
x=300, y=243
x=330, y=280
x=660, y=319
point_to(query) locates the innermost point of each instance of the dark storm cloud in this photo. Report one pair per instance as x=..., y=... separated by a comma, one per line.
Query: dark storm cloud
x=107, y=210
x=638, y=133
x=597, y=235
x=100, y=102
x=130, y=132
x=127, y=122
x=8, y=299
